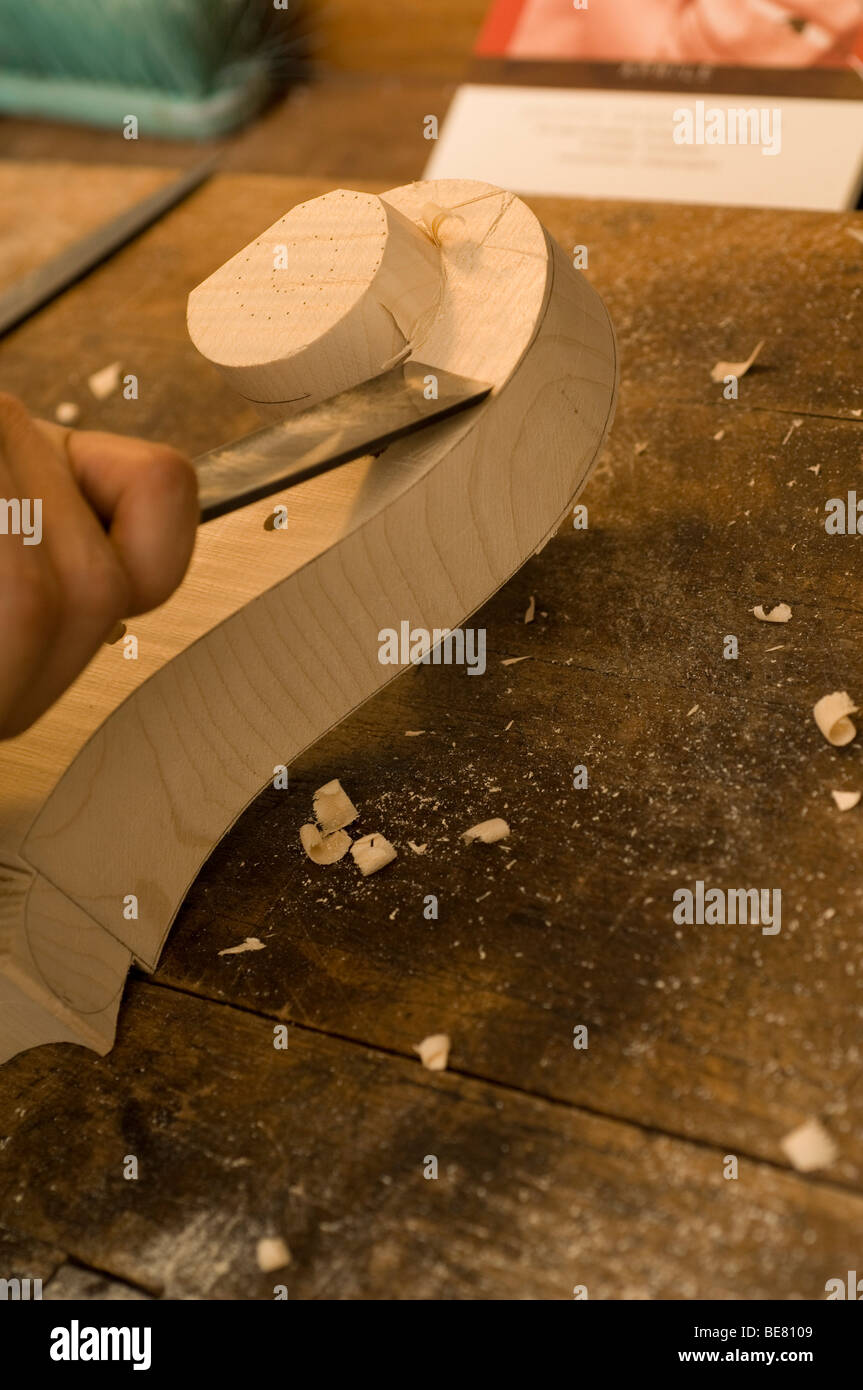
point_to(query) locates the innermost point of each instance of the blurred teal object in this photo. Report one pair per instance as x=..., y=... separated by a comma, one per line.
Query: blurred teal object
x=188, y=69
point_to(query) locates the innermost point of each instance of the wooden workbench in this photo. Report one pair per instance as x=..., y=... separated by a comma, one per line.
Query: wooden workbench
x=557, y=1167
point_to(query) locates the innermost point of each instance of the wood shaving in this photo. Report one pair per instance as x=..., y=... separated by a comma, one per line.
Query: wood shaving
x=720, y=434
x=372, y=852
x=831, y=715
x=815, y=468
x=272, y=1253
x=513, y=660
x=333, y=807
x=433, y=215
x=795, y=425
x=779, y=613
x=251, y=943
x=434, y=1051
x=418, y=849
x=324, y=849
x=853, y=231
x=809, y=1147
x=738, y=369
x=488, y=831
x=640, y=447
x=509, y=726
x=413, y=733
x=530, y=611
x=846, y=801
x=67, y=413
x=105, y=382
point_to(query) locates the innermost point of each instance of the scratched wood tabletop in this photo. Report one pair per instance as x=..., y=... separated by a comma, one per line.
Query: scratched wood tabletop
x=558, y=1167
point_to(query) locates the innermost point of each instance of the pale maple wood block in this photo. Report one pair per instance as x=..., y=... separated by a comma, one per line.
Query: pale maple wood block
x=127, y=783
x=61, y=976
x=334, y=292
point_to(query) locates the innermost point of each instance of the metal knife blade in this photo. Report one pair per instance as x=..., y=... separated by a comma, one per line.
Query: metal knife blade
x=361, y=420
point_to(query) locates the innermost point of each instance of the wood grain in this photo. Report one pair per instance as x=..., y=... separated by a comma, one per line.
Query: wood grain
x=63, y=217
x=266, y=645
x=333, y=293
x=325, y=1144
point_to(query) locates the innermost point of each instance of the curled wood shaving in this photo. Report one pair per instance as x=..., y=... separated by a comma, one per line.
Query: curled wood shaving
x=514, y=660
x=104, y=382
x=418, y=849
x=779, y=613
x=530, y=611
x=272, y=1253
x=433, y=215
x=372, y=852
x=489, y=831
x=333, y=807
x=251, y=943
x=809, y=1147
x=434, y=1051
x=738, y=369
x=831, y=715
x=846, y=801
x=324, y=849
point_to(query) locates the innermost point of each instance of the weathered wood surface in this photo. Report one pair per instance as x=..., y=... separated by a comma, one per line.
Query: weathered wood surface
x=71, y=1283
x=23, y=1257
x=324, y=1144
x=719, y=1038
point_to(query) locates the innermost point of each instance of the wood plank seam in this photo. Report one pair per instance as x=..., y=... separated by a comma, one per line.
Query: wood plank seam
x=561, y=1102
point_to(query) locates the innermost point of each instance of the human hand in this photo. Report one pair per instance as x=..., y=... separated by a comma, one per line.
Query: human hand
x=116, y=527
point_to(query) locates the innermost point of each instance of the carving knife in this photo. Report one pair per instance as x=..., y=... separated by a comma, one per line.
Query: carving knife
x=362, y=420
